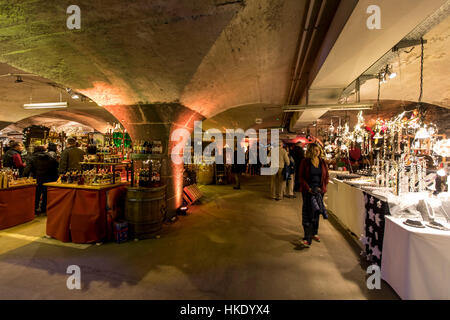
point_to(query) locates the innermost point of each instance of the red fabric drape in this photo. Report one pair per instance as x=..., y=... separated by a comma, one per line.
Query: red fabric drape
x=88, y=220
x=59, y=211
x=16, y=206
x=83, y=216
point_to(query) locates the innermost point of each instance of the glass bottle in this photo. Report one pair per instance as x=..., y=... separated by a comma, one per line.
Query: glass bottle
x=150, y=147
x=145, y=148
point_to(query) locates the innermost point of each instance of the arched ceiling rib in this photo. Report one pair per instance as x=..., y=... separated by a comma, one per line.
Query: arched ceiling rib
x=37, y=89
x=209, y=55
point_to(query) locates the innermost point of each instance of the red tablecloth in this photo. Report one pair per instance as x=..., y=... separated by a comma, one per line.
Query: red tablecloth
x=16, y=206
x=83, y=216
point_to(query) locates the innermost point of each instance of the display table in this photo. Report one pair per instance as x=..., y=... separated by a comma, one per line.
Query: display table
x=334, y=173
x=416, y=262
x=347, y=204
x=83, y=214
x=16, y=205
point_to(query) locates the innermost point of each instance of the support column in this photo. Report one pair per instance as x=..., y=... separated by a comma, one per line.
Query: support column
x=156, y=122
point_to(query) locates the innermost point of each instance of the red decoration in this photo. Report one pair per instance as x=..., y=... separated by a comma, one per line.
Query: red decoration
x=370, y=130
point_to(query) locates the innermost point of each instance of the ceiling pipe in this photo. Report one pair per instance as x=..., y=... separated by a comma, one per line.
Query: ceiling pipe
x=300, y=46
x=314, y=11
x=318, y=14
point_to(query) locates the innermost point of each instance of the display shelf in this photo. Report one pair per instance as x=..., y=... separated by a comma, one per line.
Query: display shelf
x=110, y=164
x=136, y=156
x=143, y=157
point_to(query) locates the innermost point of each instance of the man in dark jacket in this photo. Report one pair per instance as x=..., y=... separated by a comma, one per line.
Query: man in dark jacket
x=44, y=168
x=13, y=159
x=71, y=157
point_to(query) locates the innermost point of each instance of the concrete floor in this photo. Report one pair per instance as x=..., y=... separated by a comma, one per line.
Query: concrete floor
x=235, y=245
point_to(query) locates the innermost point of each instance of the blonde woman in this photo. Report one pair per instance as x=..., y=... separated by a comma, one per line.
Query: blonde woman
x=313, y=175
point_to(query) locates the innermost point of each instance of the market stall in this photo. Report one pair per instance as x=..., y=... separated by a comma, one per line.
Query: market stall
x=347, y=204
x=83, y=213
x=416, y=261
x=16, y=198
x=16, y=205
x=396, y=201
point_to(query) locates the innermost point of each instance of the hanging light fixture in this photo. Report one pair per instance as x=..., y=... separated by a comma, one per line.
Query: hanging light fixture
x=420, y=107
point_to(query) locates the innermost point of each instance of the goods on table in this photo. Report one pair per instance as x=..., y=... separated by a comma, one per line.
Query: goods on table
x=347, y=176
x=89, y=178
x=10, y=178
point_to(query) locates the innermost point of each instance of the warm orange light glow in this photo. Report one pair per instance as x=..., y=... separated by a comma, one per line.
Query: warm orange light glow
x=105, y=94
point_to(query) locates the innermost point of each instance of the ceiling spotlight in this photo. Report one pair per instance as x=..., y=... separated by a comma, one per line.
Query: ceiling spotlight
x=18, y=80
x=75, y=96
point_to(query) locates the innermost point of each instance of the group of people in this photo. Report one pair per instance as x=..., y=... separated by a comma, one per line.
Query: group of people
x=308, y=174
x=297, y=172
x=43, y=165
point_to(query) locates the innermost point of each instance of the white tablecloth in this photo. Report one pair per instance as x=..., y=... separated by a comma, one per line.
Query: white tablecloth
x=416, y=262
x=347, y=203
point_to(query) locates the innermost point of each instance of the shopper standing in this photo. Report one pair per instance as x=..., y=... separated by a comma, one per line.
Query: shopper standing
x=13, y=159
x=51, y=149
x=313, y=176
x=238, y=167
x=298, y=155
x=278, y=180
x=44, y=168
x=71, y=157
x=291, y=174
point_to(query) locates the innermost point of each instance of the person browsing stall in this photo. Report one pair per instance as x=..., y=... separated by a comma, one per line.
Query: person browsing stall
x=44, y=168
x=13, y=159
x=71, y=157
x=278, y=181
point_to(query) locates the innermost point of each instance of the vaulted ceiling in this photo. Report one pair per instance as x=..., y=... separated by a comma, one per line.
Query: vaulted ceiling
x=207, y=55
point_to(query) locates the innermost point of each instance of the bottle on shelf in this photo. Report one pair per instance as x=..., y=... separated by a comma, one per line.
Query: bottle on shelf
x=150, y=147
x=145, y=148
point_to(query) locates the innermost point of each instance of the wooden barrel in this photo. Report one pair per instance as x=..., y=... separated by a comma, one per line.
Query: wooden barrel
x=145, y=211
x=205, y=174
